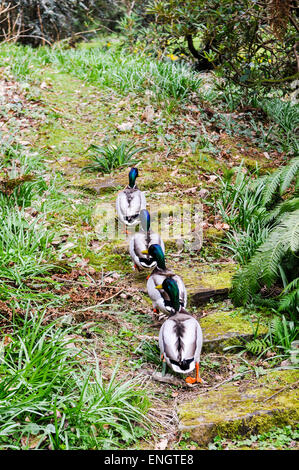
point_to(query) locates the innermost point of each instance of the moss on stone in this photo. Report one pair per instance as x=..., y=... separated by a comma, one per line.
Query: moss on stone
x=224, y=327
x=218, y=280
x=209, y=276
x=234, y=410
x=212, y=234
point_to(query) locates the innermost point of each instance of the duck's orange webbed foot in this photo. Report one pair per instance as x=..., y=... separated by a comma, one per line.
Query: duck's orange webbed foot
x=197, y=379
x=190, y=380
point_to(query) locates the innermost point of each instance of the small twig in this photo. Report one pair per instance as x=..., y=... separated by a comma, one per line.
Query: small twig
x=281, y=390
x=28, y=36
x=155, y=338
x=227, y=380
x=98, y=305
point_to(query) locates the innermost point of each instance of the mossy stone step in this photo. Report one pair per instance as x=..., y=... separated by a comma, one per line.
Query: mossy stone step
x=208, y=281
x=97, y=185
x=242, y=408
x=225, y=328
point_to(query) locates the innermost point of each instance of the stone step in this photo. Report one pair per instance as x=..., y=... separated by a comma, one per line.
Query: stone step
x=225, y=328
x=203, y=295
x=242, y=408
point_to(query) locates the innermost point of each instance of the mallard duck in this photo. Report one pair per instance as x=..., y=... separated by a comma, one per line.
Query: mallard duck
x=130, y=201
x=180, y=337
x=141, y=241
x=159, y=297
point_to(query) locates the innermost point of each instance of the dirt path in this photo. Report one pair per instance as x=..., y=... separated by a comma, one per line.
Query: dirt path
x=119, y=323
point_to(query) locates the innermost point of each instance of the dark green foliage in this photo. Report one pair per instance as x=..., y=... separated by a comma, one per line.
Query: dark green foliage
x=39, y=23
x=264, y=266
x=252, y=43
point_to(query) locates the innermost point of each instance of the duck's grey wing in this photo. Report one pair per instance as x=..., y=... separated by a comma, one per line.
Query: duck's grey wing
x=142, y=200
x=120, y=209
x=191, y=338
x=132, y=249
x=161, y=342
x=138, y=244
x=182, y=290
x=135, y=202
x=168, y=340
x=199, y=341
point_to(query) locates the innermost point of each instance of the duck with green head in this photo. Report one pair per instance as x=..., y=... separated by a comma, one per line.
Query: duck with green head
x=140, y=242
x=159, y=297
x=180, y=337
x=130, y=201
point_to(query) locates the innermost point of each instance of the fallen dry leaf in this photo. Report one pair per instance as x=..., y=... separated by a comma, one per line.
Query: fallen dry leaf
x=7, y=340
x=32, y=442
x=191, y=190
x=162, y=444
x=211, y=178
x=148, y=114
x=221, y=226
x=125, y=126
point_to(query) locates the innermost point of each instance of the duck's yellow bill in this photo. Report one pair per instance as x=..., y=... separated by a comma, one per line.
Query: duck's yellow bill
x=145, y=252
x=159, y=286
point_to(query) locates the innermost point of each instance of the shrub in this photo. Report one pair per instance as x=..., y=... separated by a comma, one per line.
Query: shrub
x=39, y=23
x=253, y=43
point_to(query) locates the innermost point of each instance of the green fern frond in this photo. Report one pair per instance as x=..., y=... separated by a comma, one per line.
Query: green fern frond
x=275, y=214
x=272, y=184
x=256, y=346
x=288, y=173
x=294, y=236
x=263, y=267
x=280, y=180
x=289, y=301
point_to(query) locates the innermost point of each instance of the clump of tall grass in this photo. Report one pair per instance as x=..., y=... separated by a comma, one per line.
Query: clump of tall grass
x=242, y=210
x=128, y=73
x=118, y=70
x=50, y=399
x=106, y=158
x=26, y=251
x=25, y=246
x=286, y=115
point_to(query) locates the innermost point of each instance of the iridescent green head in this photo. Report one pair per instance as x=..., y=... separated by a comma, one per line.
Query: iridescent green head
x=156, y=252
x=145, y=220
x=171, y=287
x=132, y=177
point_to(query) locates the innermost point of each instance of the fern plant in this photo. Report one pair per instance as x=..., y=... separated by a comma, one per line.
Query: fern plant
x=279, y=181
x=263, y=215
x=281, y=334
x=289, y=299
x=263, y=267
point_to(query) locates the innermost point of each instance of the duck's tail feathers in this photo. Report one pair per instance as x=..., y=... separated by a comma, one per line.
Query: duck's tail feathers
x=183, y=366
